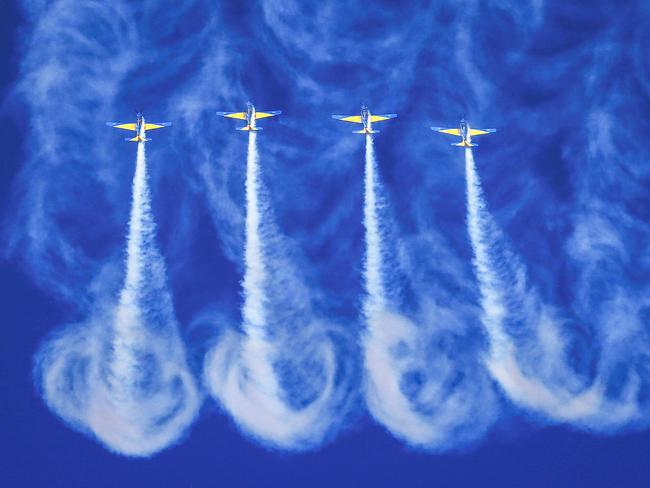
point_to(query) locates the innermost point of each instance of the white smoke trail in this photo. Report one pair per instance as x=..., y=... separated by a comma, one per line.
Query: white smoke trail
x=493, y=301
x=376, y=295
x=123, y=377
x=426, y=399
x=244, y=372
x=530, y=362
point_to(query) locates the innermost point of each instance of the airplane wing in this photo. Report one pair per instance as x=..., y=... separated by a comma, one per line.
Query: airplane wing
x=263, y=115
x=348, y=118
x=478, y=132
x=233, y=115
x=119, y=125
x=379, y=118
x=453, y=132
x=156, y=125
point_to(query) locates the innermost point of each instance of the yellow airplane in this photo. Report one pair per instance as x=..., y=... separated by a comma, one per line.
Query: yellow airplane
x=139, y=128
x=465, y=133
x=250, y=116
x=366, y=119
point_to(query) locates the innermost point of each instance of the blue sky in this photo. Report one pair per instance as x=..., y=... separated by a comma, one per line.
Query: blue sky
x=564, y=233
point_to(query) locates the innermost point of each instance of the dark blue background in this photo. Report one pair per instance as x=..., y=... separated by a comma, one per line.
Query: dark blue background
x=38, y=450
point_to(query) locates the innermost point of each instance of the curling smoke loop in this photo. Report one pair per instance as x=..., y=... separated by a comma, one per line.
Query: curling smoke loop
x=537, y=375
x=128, y=384
x=409, y=392
x=242, y=370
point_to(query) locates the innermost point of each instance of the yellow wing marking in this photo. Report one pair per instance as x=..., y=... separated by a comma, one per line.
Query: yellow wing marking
x=153, y=126
x=262, y=115
x=477, y=132
x=125, y=126
x=352, y=118
x=453, y=132
x=378, y=118
x=238, y=115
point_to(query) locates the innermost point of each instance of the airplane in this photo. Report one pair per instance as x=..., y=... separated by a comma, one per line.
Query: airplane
x=465, y=133
x=366, y=119
x=250, y=116
x=139, y=128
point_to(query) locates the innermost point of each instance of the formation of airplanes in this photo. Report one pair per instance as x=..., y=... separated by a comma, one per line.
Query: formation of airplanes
x=464, y=131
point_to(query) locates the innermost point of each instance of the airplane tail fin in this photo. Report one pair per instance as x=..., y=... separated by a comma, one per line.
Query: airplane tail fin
x=464, y=144
x=137, y=139
x=249, y=128
x=363, y=131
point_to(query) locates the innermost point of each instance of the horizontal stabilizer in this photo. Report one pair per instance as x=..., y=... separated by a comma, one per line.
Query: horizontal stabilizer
x=249, y=128
x=465, y=144
x=364, y=131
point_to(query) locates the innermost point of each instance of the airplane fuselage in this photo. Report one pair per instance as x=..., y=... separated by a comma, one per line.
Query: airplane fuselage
x=464, y=132
x=365, y=120
x=139, y=128
x=250, y=115
x=139, y=125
